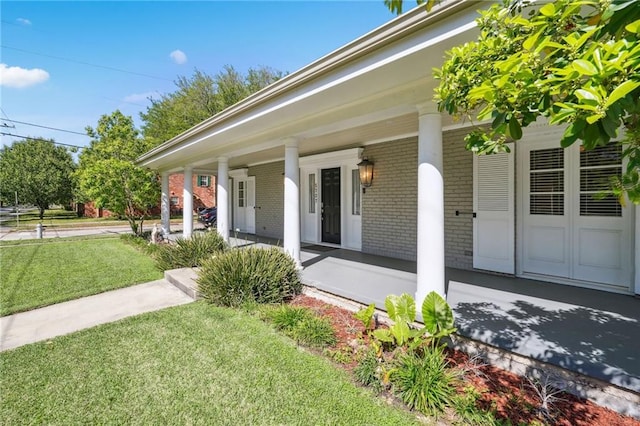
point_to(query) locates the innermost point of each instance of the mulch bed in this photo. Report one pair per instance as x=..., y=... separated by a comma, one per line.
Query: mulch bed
x=508, y=395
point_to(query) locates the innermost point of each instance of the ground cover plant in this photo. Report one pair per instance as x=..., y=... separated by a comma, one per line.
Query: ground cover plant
x=43, y=272
x=483, y=394
x=193, y=364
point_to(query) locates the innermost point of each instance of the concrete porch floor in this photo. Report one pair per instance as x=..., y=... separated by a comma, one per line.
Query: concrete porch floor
x=590, y=332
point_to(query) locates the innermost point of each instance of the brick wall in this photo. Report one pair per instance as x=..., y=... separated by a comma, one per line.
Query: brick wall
x=269, y=199
x=203, y=196
x=389, y=206
x=458, y=195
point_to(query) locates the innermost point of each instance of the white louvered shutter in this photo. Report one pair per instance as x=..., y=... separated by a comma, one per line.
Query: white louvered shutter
x=493, y=204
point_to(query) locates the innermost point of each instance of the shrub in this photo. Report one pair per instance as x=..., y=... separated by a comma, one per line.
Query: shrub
x=189, y=252
x=286, y=318
x=314, y=331
x=368, y=369
x=140, y=242
x=254, y=274
x=424, y=382
x=302, y=325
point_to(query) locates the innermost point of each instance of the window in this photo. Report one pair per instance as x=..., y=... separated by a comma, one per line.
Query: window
x=312, y=193
x=355, y=192
x=546, y=182
x=241, y=194
x=596, y=169
x=174, y=201
x=204, y=181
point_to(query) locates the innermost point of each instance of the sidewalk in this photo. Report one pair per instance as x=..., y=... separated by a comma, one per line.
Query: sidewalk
x=64, y=318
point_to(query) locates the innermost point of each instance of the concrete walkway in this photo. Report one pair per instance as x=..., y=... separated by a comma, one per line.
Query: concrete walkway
x=64, y=318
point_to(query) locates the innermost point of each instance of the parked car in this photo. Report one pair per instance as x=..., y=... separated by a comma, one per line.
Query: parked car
x=208, y=217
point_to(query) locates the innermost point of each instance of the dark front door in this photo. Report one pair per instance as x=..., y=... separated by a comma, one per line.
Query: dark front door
x=331, y=205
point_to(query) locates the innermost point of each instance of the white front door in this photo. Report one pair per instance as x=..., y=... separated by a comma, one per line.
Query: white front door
x=568, y=230
x=493, y=206
x=244, y=214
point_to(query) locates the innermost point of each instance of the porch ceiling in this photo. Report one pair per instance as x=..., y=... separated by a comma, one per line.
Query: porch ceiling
x=367, y=100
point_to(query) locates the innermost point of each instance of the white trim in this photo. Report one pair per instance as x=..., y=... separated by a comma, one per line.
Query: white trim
x=332, y=158
x=239, y=173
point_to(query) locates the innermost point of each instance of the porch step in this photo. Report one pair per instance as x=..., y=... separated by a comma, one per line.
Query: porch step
x=185, y=280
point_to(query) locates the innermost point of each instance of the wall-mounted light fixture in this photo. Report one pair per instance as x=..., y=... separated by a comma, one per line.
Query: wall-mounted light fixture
x=365, y=168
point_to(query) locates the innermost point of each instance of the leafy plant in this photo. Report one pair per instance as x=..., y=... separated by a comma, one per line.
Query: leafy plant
x=424, y=382
x=234, y=277
x=368, y=370
x=466, y=407
x=342, y=355
x=286, y=318
x=189, y=252
x=314, y=331
x=302, y=325
x=365, y=315
x=436, y=313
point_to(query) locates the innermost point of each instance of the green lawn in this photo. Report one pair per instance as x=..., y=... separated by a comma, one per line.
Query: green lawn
x=59, y=219
x=38, y=273
x=193, y=364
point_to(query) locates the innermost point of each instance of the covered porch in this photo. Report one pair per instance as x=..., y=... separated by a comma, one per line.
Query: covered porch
x=589, y=332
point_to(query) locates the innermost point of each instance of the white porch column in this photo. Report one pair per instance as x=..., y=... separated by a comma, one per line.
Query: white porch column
x=292, y=200
x=430, y=247
x=187, y=205
x=222, y=197
x=165, y=205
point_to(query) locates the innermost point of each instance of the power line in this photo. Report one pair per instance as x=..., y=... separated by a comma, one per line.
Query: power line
x=84, y=63
x=43, y=140
x=45, y=127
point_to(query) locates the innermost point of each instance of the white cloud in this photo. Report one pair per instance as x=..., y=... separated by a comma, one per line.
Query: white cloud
x=178, y=56
x=140, y=97
x=21, y=77
x=23, y=21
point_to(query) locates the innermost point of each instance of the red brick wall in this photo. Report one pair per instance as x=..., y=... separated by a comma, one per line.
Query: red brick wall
x=90, y=210
x=202, y=196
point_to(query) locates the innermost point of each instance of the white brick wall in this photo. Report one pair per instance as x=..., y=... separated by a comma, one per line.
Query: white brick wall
x=389, y=206
x=269, y=199
x=458, y=195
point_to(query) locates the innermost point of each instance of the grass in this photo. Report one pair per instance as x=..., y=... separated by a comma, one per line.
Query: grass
x=44, y=272
x=193, y=364
x=59, y=218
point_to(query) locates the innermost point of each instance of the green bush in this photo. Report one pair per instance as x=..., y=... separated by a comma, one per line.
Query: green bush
x=315, y=331
x=141, y=243
x=368, y=370
x=302, y=325
x=424, y=381
x=189, y=252
x=254, y=274
x=286, y=318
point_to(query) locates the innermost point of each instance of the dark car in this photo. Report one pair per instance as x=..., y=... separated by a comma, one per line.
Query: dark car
x=208, y=217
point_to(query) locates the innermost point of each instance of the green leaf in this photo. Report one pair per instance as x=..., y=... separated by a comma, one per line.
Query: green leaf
x=400, y=332
x=383, y=335
x=548, y=9
x=401, y=308
x=621, y=91
x=588, y=94
x=436, y=313
x=633, y=27
x=584, y=67
x=515, y=131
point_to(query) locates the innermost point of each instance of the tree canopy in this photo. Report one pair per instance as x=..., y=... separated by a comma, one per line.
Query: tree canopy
x=575, y=62
x=39, y=171
x=200, y=97
x=107, y=173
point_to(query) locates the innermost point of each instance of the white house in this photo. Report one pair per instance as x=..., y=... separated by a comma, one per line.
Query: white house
x=529, y=213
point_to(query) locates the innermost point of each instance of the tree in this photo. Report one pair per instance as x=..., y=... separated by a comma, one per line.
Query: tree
x=108, y=175
x=39, y=171
x=200, y=97
x=575, y=62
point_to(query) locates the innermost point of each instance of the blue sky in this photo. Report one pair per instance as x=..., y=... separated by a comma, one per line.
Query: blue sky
x=140, y=37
